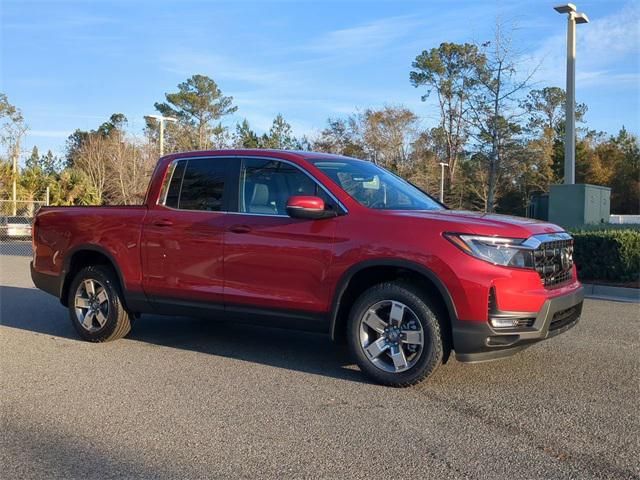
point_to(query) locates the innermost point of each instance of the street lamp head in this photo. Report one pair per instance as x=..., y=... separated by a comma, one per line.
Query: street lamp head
x=160, y=117
x=566, y=8
x=581, y=18
x=442, y=164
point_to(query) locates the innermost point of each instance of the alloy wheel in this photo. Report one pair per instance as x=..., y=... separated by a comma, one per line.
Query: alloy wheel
x=91, y=305
x=391, y=336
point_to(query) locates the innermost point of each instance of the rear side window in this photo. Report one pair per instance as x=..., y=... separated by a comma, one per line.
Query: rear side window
x=173, y=193
x=198, y=184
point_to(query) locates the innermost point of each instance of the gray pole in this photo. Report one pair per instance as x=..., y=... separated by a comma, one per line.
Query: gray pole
x=573, y=18
x=570, y=108
x=14, y=190
x=442, y=165
x=161, y=119
x=161, y=137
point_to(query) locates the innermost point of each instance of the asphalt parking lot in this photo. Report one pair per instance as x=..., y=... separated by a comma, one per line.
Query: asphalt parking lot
x=185, y=398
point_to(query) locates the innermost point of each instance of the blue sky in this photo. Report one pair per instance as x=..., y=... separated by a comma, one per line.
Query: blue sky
x=71, y=64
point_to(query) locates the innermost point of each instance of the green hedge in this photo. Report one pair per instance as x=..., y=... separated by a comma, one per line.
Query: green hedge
x=611, y=254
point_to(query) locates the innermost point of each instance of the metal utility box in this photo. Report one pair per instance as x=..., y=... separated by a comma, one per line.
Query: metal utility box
x=579, y=204
x=539, y=206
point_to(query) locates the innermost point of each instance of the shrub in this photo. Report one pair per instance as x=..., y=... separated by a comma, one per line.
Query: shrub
x=611, y=254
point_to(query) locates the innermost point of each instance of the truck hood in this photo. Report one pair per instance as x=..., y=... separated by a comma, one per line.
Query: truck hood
x=490, y=224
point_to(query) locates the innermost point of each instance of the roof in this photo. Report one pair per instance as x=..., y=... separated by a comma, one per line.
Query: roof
x=258, y=151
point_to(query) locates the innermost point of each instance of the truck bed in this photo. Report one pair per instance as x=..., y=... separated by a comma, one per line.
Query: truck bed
x=115, y=230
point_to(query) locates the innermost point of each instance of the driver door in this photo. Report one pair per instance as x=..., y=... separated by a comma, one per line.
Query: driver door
x=272, y=261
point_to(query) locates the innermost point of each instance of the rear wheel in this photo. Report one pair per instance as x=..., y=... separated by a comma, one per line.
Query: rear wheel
x=95, y=304
x=395, y=335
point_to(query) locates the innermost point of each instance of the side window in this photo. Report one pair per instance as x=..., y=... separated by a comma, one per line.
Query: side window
x=197, y=184
x=266, y=185
x=173, y=192
x=203, y=185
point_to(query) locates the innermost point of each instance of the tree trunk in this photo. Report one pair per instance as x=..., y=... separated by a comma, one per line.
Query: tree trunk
x=494, y=158
x=491, y=183
x=202, y=125
x=14, y=193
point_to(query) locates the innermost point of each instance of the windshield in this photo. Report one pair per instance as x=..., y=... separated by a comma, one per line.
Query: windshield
x=375, y=187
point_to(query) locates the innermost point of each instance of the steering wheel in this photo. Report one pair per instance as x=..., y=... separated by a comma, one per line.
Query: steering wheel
x=376, y=203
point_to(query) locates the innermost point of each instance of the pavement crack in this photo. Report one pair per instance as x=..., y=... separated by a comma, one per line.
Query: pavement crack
x=578, y=460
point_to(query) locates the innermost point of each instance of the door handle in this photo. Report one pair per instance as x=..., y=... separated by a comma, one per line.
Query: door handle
x=163, y=223
x=240, y=229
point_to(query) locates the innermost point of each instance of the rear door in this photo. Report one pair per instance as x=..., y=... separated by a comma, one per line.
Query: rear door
x=183, y=235
x=273, y=261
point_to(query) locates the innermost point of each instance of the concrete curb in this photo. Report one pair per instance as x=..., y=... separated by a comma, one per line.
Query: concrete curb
x=606, y=292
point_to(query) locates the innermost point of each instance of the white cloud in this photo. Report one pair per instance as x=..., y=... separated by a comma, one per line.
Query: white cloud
x=601, y=44
x=220, y=67
x=63, y=22
x=369, y=36
x=601, y=77
x=292, y=79
x=288, y=74
x=49, y=133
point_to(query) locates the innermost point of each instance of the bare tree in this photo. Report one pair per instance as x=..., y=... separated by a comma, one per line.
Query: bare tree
x=130, y=170
x=423, y=169
x=449, y=71
x=493, y=107
x=6, y=177
x=92, y=159
x=341, y=136
x=12, y=130
x=477, y=182
x=389, y=134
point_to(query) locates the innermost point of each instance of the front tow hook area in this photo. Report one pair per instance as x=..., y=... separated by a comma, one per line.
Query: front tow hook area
x=502, y=341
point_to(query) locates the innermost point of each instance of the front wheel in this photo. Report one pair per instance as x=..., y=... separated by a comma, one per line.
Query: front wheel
x=394, y=334
x=95, y=304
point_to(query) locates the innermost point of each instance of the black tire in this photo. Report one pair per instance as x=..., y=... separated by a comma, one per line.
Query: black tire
x=118, y=321
x=426, y=314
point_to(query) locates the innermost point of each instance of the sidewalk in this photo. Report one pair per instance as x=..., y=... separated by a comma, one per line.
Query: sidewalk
x=606, y=292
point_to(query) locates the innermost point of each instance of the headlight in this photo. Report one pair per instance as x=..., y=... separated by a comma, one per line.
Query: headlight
x=499, y=251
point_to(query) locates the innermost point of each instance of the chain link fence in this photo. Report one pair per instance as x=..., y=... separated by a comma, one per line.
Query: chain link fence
x=16, y=220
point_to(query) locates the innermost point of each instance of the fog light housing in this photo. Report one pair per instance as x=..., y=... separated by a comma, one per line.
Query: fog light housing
x=504, y=322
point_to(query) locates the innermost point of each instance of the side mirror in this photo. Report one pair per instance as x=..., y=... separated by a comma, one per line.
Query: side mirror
x=308, y=207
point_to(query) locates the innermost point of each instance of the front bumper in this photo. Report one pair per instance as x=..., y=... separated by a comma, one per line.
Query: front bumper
x=478, y=341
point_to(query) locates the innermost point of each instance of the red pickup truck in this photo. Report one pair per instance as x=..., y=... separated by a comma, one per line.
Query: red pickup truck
x=314, y=241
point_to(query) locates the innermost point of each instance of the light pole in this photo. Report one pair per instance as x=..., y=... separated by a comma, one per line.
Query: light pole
x=15, y=153
x=573, y=17
x=161, y=119
x=442, y=165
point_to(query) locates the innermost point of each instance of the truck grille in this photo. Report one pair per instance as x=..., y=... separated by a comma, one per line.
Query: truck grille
x=553, y=261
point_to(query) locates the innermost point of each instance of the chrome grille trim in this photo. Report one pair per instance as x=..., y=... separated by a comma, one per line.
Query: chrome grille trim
x=537, y=240
x=552, y=257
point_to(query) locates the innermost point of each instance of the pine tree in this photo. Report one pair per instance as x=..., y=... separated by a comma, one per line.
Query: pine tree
x=245, y=137
x=49, y=163
x=197, y=103
x=34, y=160
x=280, y=135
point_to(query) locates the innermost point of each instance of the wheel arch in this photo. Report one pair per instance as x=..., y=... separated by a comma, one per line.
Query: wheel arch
x=369, y=272
x=83, y=256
